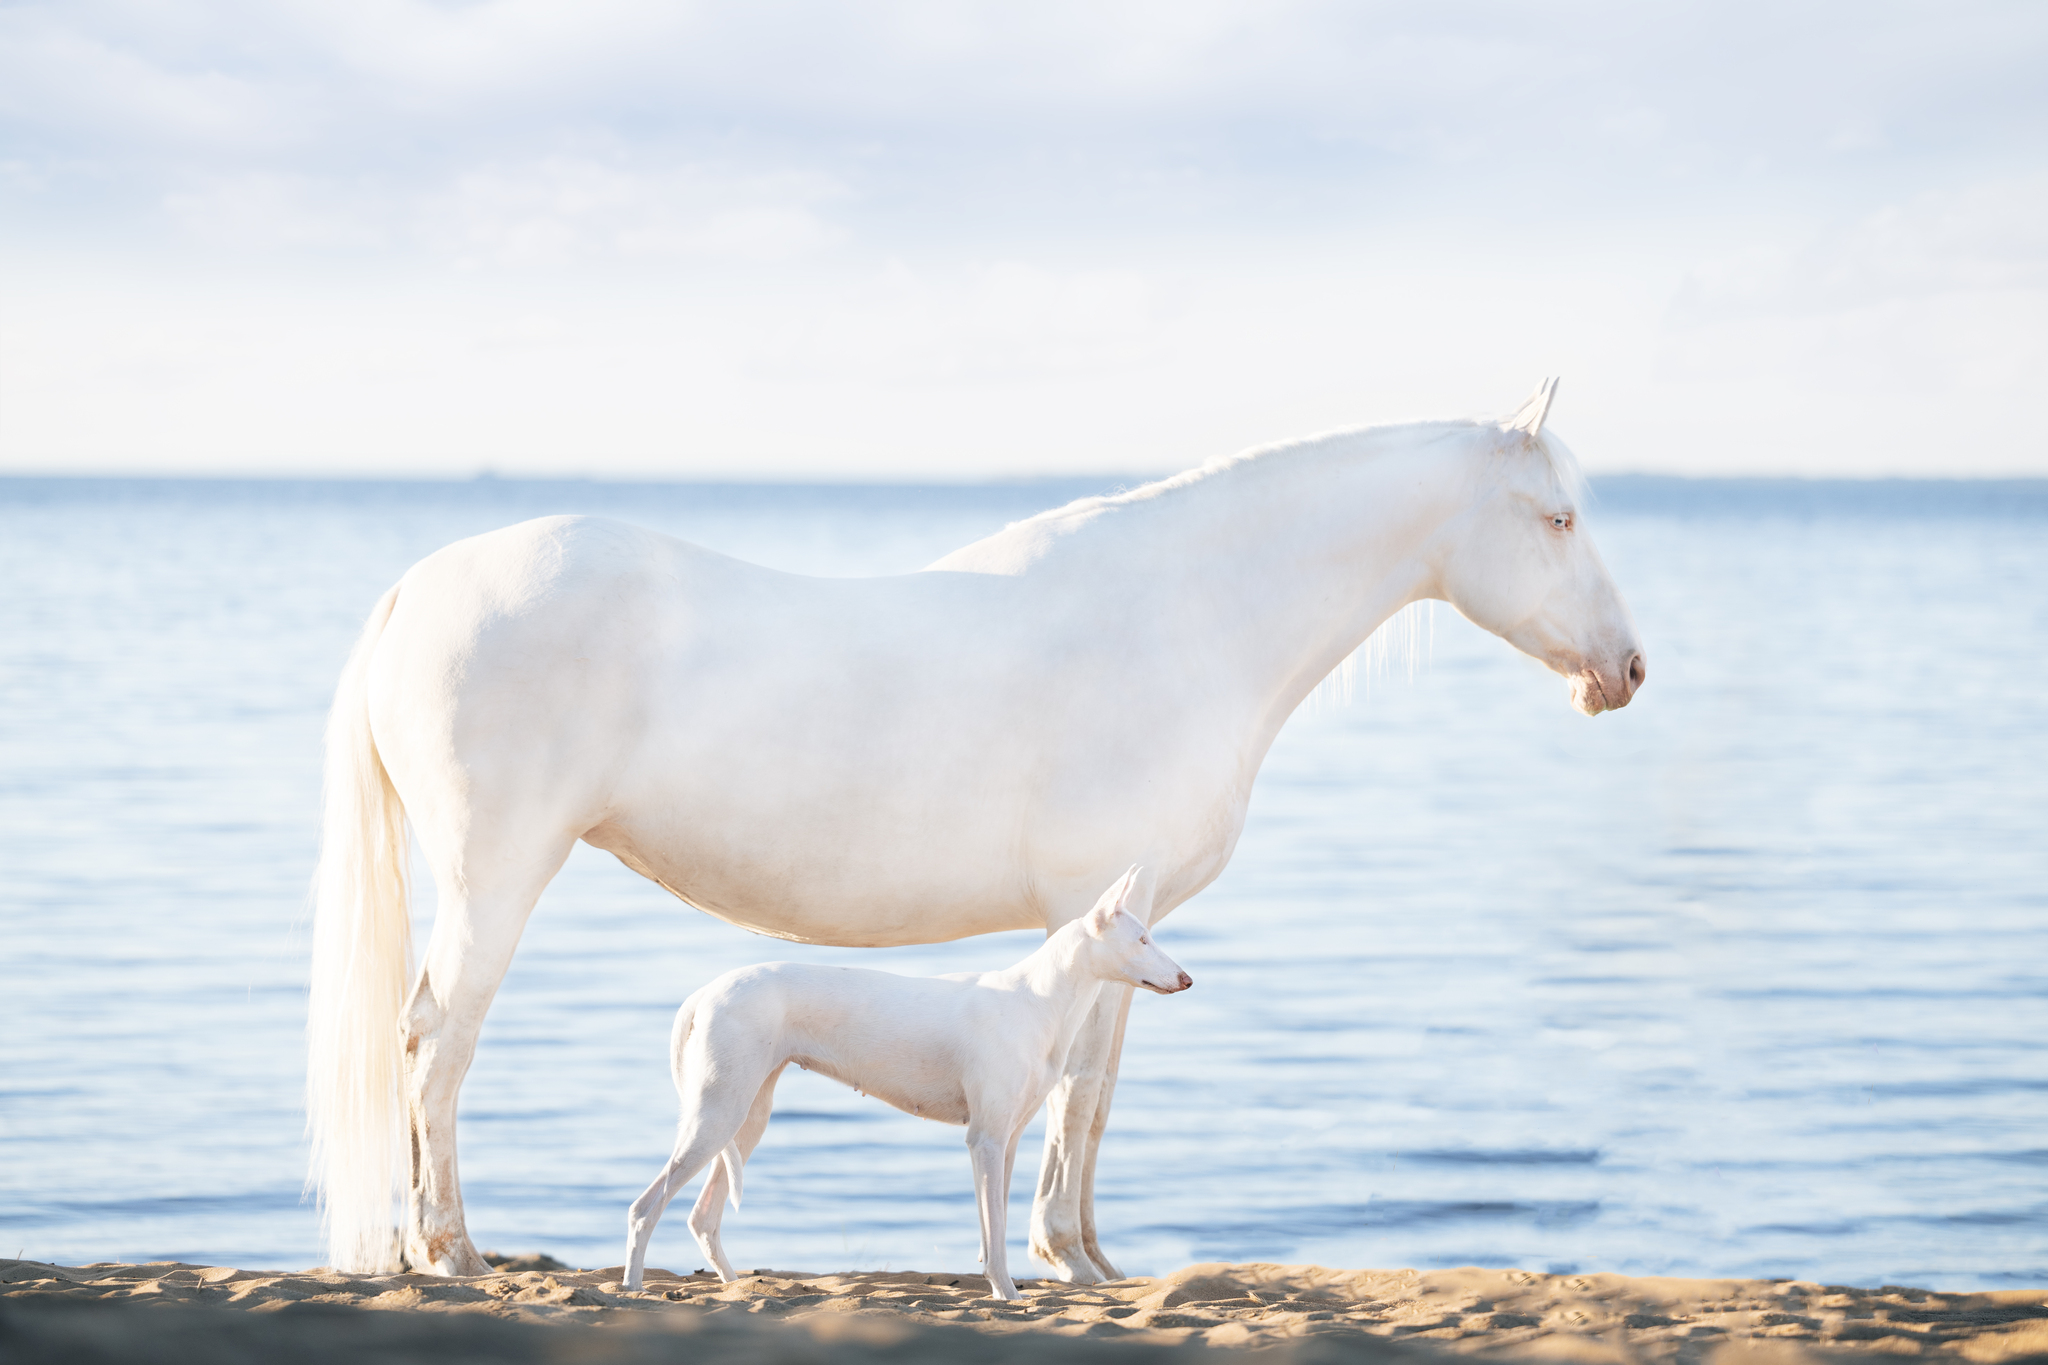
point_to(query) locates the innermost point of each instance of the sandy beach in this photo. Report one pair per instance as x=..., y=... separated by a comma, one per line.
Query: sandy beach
x=535, y=1309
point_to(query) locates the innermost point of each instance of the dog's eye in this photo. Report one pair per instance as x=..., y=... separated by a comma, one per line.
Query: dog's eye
x=1562, y=521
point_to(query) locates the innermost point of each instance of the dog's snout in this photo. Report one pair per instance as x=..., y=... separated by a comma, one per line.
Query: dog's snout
x=1186, y=981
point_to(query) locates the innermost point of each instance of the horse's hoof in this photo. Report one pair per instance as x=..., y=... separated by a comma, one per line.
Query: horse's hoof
x=473, y=1264
x=445, y=1255
x=1071, y=1265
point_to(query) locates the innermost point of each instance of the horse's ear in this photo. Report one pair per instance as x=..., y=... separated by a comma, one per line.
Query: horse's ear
x=1528, y=418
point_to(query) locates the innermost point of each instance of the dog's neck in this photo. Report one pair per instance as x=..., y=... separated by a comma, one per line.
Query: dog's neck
x=1062, y=975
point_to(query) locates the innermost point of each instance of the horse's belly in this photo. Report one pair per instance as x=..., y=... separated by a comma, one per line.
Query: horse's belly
x=914, y=822
x=864, y=802
x=774, y=889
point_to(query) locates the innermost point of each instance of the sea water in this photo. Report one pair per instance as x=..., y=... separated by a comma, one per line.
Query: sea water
x=1748, y=979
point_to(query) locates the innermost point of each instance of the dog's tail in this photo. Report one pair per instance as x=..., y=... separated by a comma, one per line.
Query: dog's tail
x=733, y=1161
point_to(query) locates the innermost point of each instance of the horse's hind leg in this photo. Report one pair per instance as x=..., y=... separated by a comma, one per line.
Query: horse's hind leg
x=709, y=1211
x=485, y=898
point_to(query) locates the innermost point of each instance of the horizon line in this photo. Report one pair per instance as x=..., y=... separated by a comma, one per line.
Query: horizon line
x=489, y=477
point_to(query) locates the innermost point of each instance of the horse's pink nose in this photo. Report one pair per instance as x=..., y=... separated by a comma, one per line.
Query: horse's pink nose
x=1633, y=679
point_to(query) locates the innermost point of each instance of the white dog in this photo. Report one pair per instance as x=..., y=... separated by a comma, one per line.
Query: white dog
x=979, y=1048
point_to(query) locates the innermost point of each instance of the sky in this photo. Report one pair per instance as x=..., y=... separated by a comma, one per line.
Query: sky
x=960, y=240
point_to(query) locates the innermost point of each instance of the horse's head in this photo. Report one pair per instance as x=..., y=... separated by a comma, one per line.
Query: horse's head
x=1520, y=564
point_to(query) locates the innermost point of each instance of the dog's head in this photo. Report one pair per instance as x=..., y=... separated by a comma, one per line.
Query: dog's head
x=1122, y=944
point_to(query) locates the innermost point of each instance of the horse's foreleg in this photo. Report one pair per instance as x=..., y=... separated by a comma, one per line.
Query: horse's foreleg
x=476, y=930
x=1089, y=1241
x=1061, y=1224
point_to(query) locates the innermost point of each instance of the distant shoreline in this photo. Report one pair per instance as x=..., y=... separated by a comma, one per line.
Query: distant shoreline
x=1640, y=494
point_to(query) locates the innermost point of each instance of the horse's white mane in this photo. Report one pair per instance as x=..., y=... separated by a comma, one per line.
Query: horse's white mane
x=1210, y=470
x=1521, y=434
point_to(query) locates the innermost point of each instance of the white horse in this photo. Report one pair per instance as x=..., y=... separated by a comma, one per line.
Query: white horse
x=979, y=746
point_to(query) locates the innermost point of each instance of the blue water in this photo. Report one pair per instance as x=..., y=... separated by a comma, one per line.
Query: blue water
x=1749, y=979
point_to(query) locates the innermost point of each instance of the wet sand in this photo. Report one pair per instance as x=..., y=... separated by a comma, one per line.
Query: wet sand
x=535, y=1309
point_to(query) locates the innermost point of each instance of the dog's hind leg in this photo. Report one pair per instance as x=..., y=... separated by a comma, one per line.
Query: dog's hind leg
x=723, y=1182
x=713, y=1113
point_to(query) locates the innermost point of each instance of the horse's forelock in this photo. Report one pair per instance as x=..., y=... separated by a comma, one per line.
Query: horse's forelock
x=1563, y=465
x=1514, y=450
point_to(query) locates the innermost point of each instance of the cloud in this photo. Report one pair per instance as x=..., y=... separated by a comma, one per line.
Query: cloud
x=911, y=236
x=992, y=323
x=1329, y=100
x=68, y=89
x=1984, y=237
x=549, y=212
x=269, y=211
x=559, y=209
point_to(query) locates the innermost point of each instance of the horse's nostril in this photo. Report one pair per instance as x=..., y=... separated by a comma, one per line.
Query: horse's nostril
x=1637, y=671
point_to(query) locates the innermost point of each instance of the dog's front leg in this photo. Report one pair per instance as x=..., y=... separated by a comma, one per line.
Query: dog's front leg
x=988, y=1152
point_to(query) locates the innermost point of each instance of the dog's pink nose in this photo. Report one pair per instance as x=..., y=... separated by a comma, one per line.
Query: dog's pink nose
x=1186, y=981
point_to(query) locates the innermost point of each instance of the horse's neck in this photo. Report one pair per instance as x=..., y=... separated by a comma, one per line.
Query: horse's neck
x=1277, y=567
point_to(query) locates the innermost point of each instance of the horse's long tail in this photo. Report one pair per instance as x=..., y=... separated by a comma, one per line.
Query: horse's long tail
x=361, y=955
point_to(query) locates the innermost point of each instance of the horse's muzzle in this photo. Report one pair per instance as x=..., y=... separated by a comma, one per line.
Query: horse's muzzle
x=1595, y=690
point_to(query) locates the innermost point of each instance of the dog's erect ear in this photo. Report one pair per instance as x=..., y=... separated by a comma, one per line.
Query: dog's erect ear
x=1116, y=898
